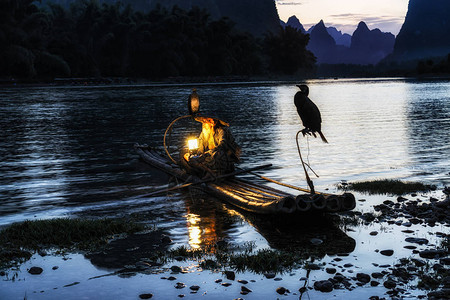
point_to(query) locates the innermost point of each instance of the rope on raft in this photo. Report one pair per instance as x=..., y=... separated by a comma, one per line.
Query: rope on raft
x=308, y=179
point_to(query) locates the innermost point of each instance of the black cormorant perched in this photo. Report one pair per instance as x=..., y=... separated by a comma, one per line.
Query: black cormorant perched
x=308, y=112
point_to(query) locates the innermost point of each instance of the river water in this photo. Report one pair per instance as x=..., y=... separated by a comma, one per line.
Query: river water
x=68, y=151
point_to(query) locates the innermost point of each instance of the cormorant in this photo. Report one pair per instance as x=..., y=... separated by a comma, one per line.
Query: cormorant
x=193, y=102
x=308, y=112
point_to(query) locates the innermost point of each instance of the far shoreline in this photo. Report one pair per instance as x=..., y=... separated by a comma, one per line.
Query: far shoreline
x=197, y=81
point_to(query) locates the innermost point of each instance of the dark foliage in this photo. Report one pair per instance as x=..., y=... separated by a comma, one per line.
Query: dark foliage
x=90, y=40
x=287, y=51
x=434, y=66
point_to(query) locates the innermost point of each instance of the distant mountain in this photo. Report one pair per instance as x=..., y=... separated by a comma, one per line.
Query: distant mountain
x=343, y=39
x=425, y=32
x=322, y=44
x=366, y=47
x=370, y=46
x=254, y=16
x=295, y=23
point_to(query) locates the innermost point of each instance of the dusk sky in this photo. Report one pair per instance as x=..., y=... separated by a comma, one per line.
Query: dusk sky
x=387, y=15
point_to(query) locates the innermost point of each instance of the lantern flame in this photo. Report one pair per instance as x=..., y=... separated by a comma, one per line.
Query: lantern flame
x=193, y=144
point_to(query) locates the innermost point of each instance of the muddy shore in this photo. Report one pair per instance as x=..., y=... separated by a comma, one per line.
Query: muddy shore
x=322, y=259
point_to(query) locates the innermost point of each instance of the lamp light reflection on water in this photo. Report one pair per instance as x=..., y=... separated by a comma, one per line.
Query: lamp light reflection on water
x=195, y=232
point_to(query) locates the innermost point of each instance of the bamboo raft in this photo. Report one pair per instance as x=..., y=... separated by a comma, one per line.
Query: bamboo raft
x=253, y=197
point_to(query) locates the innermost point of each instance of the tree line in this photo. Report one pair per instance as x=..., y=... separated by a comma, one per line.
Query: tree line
x=110, y=40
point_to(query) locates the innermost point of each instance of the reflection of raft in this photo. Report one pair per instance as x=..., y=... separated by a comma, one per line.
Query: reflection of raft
x=254, y=197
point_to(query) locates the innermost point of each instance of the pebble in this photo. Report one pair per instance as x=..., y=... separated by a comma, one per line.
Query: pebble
x=440, y=294
x=281, y=290
x=348, y=265
x=401, y=199
x=438, y=267
x=362, y=277
x=218, y=280
x=269, y=275
x=377, y=275
x=230, y=275
x=374, y=283
x=35, y=270
x=194, y=287
x=145, y=296
x=330, y=270
x=373, y=233
x=388, y=252
x=180, y=285
x=55, y=268
x=415, y=221
x=242, y=281
x=432, y=253
x=410, y=247
x=389, y=284
x=245, y=290
x=411, y=269
x=420, y=241
x=339, y=277
x=278, y=279
x=176, y=269
x=226, y=284
x=325, y=286
x=418, y=262
x=171, y=278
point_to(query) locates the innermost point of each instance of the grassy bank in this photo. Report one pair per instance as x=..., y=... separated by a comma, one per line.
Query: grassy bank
x=18, y=240
x=387, y=186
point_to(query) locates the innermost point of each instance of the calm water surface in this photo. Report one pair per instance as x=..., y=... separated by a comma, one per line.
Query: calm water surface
x=68, y=151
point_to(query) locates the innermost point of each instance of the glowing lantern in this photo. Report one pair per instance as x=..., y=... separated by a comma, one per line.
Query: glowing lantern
x=193, y=145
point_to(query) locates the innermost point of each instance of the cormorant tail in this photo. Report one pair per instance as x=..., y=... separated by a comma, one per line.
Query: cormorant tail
x=323, y=137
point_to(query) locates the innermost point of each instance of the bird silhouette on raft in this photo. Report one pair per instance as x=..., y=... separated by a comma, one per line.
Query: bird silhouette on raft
x=308, y=112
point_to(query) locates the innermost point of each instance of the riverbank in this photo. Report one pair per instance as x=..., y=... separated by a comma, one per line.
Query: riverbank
x=205, y=80
x=316, y=264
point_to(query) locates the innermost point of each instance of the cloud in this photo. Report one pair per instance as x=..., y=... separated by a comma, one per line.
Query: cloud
x=367, y=18
x=348, y=21
x=282, y=2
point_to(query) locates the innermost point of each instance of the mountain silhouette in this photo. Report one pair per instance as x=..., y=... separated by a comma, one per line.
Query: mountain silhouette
x=254, y=16
x=294, y=22
x=322, y=44
x=366, y=46
x=425, y=32
x=370, y=46
x=343, y=39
